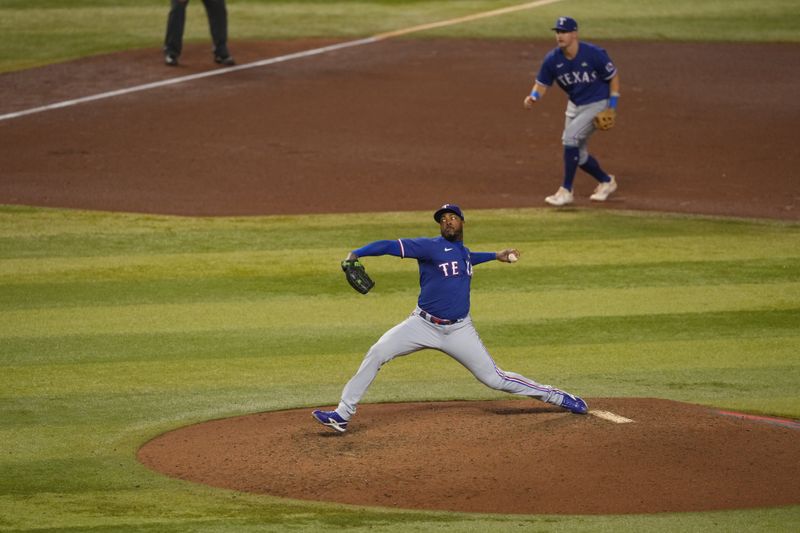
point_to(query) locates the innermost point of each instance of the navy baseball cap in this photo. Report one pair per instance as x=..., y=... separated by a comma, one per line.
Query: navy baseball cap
x=566, y=24
x=448, y=208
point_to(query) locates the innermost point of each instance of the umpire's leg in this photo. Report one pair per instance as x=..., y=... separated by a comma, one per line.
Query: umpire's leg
x=218, y=24
x=176, y=20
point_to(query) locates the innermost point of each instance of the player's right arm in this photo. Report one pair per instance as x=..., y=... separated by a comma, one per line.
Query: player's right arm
x=537, y=93
x=544, y=80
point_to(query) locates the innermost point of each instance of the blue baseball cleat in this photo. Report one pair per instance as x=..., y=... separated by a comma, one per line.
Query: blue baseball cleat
x=574, y=404
x=331, y=419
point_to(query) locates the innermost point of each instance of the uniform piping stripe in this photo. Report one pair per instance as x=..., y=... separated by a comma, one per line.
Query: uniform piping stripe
x=528, y=384
x=402, y=249
x=505, y=377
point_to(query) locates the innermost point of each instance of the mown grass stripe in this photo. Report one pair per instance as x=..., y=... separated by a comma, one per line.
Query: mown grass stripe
x=286, y=310
x=64, y=255
x=290, y=341
x=254, y=283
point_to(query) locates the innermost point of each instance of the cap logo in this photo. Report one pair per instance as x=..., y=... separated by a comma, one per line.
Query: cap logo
x=566, y=24
x=453, y=208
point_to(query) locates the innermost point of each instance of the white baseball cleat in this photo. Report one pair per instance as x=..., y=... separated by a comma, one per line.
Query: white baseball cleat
x=604, y=190
x=561, y=197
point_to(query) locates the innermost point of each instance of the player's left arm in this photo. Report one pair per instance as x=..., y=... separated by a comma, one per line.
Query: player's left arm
x=608, y=71
x=375, y=249
x=613, y=87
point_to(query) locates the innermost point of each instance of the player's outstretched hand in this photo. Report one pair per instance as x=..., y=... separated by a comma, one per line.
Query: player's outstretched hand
x=509, y=255
x=528, y=102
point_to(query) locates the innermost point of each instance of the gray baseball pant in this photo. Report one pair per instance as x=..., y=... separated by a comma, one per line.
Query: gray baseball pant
x=460, y=341
x=578, y=126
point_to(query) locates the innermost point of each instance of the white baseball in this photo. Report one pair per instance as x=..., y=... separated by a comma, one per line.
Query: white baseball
x=512, y=257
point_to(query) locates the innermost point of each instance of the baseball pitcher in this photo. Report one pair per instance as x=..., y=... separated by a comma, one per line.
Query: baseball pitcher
x=441, y=319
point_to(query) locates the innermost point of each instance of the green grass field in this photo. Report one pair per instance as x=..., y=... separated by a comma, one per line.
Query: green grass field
x=117, y=327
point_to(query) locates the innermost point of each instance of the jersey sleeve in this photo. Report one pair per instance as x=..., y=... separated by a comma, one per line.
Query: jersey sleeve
x=476, y=258
x=414, y=248
x=604, y=65
x=546, y=75
x=379, y=248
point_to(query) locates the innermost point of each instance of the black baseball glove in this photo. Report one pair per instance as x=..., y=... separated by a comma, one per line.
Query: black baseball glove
x=357, y=276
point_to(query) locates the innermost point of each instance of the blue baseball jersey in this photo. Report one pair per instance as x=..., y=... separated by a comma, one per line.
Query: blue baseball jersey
x=445, y=271
x=584, y=78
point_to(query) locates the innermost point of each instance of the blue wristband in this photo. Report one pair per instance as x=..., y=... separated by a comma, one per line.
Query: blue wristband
x=535, y=95
x=612, y=102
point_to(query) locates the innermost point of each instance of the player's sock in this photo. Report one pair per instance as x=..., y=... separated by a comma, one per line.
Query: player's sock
x=571, y=157
x=592, y=167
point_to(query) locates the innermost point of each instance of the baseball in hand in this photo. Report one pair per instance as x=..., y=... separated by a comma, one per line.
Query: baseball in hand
x=512, y=257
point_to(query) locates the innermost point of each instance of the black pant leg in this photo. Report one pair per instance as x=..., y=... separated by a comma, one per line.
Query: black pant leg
x=176, y=21
x=218, y=24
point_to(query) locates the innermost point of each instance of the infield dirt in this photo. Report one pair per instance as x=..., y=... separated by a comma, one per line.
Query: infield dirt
x=401, y=125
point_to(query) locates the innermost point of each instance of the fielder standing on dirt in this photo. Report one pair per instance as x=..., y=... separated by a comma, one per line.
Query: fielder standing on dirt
x=590, y=79
x=441, y=320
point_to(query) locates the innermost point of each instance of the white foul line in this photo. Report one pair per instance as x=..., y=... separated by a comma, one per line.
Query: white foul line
x=191, y=77
x=279, y=59
x=611, y=417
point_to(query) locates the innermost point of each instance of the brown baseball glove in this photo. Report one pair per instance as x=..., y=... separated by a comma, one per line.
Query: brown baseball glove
x=605, y=119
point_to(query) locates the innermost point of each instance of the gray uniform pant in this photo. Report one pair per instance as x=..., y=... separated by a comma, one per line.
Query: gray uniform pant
x=460, y=341
x=578, y=126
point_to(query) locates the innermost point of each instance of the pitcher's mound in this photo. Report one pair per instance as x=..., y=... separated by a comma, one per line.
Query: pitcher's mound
x=511, y=456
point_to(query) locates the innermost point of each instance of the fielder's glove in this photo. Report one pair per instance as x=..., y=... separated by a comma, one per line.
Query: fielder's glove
x=357, y=276
x=605, y=119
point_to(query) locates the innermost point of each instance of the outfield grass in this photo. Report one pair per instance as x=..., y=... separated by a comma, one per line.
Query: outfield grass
x=38, y=32
x=117, y=327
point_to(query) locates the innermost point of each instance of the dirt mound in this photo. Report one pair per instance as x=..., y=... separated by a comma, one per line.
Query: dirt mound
x=507, y=456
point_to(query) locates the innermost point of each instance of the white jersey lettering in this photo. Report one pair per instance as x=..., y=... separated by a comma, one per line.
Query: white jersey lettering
x=451, y=269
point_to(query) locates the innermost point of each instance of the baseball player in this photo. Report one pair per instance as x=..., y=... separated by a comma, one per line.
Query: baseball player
x=441, y=320
x=590, y=79
x=217, y=22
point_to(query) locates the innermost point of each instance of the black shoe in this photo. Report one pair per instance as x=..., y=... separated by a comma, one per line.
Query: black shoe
x=171, y=60
x=225, y=60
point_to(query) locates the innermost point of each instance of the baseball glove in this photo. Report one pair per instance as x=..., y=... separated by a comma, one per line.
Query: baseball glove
x=357, y=276
x=605, y=119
